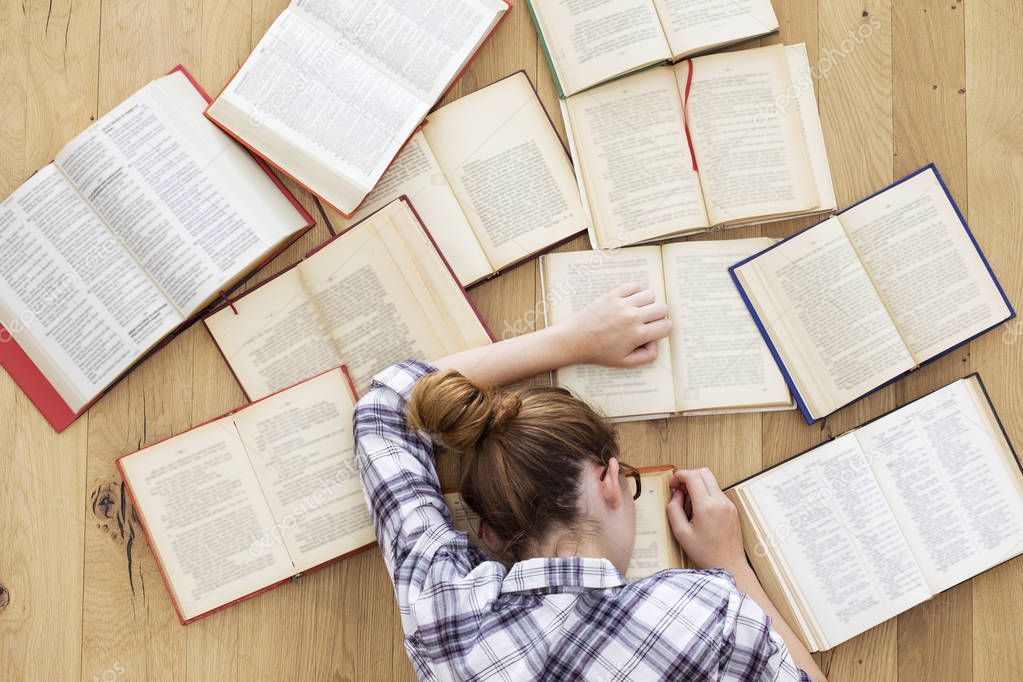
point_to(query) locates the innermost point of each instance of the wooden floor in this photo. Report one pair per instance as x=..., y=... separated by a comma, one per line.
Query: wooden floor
x=900, y=84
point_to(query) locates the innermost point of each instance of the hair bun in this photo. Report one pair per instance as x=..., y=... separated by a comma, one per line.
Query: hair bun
x=458, y=413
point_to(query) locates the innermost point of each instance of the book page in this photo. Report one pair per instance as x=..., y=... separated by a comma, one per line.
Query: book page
x=824, y=519
x=508, y=169
x=438, y=293
x=70, y=295
x=719, y=356
x=357, y=268
x=751, y=153
x=417, y=175
x=572, y=281
x=638, y=173
x=944, y=467
x=421, y=45
x=805, y=103
x=465, y=519
x=656, y=548
x=158, y=177
x=925, y=266
x=591, y=41
x=699, y=25
x=318, y=111
x=825, y=318
x=204, y=513
x=276, y=338
x=302, y=448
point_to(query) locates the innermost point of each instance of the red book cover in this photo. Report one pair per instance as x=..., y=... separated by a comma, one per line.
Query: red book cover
x=31, y=379
x=140, y=512
x=276, y=165
x=230, y=302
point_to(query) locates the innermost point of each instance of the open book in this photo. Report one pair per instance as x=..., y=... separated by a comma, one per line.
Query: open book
x=864, y=297
x=860, y=529
x=490, y=177
x=137, y=225
x=717, y=141
x=375, y=295
x=336, y=87
x=588, y=43
x=714, y=360
x=245, y=502
x=656, y=548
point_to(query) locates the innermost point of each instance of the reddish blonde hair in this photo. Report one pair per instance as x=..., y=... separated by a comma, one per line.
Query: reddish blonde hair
x=523, y=451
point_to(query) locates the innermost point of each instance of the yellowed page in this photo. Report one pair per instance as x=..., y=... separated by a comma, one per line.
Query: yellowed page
x=699, y=25
x=826, y=319
x=805, y=102
x=656, y=548
x=825, y=520
x=302, y=448
x=720, y=358
x=209, y=558
x=417, y=175
x=941, y=464
x=751, y=151
x=631, y=145
x=591, y=42
x=508, y=170
x=368, y=308
x=430, y=281
x=572, y=281
x=274, y=336
x=925, y=266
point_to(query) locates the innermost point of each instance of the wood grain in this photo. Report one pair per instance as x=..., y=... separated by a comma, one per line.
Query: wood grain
x=899, y=85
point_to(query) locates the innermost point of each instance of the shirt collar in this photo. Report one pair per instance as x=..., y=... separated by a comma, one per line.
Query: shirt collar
x=562, y=574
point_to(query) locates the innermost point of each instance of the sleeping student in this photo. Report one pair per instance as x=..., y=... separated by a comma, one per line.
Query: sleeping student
x=541, y=469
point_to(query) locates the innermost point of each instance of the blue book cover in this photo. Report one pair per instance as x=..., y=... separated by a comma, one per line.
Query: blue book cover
x=787, y=372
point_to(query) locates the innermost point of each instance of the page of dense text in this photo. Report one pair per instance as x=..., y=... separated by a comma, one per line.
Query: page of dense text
x=417, y=175
x=70, y=295
x=821, y=310
x=508, y=169
x=369, y=310
x=823, y=515
x=948, y=473
x=205, y=515
x=720, y=358
x=572, y=281
x=420, y=45
x=751, y=152
x=590, y=41
x=631, y=145
x=805, y=103
x=274, y=336
x=925, y=266
x=698, y=25
x=176, y=192
x=319, y=111
x=302, y=449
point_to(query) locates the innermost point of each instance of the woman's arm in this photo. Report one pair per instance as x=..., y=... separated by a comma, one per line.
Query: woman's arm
x=706, y=524
x=620, y=329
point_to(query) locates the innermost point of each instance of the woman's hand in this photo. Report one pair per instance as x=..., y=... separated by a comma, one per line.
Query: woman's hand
x=705, y=522
x=619, y=329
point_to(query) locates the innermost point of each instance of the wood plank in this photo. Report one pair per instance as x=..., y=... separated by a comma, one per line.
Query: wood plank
x=994, y=140
x=128, y=615
x=928, y=86
x=48, y=84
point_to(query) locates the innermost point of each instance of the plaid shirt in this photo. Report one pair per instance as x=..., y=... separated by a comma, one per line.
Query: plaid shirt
x=467, y=618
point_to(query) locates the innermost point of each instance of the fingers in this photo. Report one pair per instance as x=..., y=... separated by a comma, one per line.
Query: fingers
x=644, y=354
x=677, y=514
x=643, y=297
x=656, y=330
x=696, y=486
x=626, y=290
x=709, y=479
x=653, y=312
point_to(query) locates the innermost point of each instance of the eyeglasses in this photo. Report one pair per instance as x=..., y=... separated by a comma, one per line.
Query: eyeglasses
x=630, y=472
